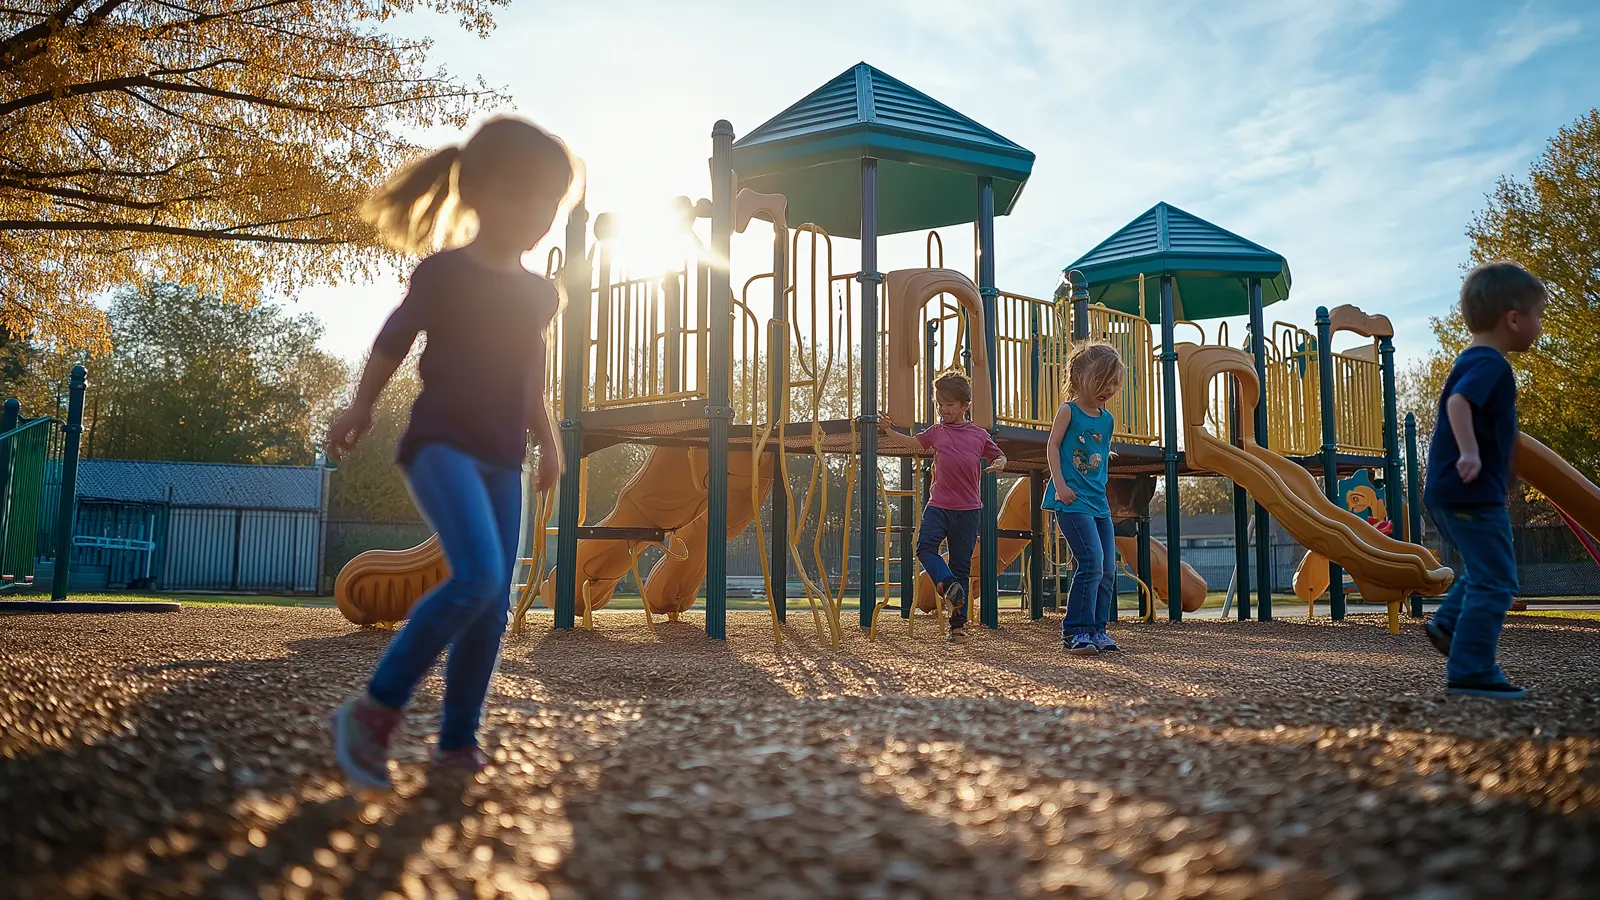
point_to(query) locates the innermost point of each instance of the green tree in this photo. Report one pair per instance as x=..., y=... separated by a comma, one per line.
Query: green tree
x=1418, y=386
x=35, y=375
x=197, y=378
x=1550, y=223
x=368, y=486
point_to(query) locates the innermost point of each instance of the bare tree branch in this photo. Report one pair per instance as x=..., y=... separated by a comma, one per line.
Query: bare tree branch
x=229, y=234
x=14, y=171
x=39, y=31
x=92, y=197
x=145, y=81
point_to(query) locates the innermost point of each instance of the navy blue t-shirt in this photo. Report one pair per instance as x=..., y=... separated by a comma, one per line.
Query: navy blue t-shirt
x=481, y=369
x=1484, y=377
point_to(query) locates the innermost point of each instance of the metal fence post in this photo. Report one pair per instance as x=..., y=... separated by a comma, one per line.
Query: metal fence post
x=65, y=522
x=8, y=421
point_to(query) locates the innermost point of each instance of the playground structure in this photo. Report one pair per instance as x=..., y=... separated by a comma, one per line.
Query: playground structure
x=732, y=385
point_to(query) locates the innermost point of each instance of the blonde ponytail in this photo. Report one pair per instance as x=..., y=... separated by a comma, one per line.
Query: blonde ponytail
x=410, y=208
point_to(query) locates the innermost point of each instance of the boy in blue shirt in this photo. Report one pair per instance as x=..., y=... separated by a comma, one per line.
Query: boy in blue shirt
x=1469, y=475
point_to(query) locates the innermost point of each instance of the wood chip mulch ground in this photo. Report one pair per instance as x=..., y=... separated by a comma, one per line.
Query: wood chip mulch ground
x=185, y=755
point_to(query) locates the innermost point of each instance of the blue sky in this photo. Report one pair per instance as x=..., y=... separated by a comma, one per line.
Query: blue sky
x=1356, y=138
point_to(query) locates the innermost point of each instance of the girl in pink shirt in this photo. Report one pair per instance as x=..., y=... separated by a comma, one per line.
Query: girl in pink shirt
x=954, y=505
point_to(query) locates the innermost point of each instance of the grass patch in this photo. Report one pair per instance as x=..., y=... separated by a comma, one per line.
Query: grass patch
x=188, y=599
x=1592, y=615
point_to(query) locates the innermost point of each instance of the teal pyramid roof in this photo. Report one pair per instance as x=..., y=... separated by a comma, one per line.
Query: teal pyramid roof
x=929, y=156
x=1211, y=266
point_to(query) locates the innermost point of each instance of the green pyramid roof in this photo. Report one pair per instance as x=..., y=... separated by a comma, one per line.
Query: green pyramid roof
x=930, y=157
x=1211, y=266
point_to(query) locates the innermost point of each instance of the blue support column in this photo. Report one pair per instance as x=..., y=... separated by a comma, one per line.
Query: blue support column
x=1258, y=349
x=867, y=483
x=1169, y=403
x=1394, y=496
x=67, y=519
x=575, y=276
x=1413, y=498
x=778, y=412
x=988, y=538
x=1076, y=289
x=719, y=366
x=1330, y=447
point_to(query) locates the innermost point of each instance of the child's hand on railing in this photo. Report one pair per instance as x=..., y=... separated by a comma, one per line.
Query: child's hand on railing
x=998, y=464
x=885, y=424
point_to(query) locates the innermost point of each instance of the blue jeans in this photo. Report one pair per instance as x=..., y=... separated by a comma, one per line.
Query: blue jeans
x=477, y=509
x=960, y=528
x=1094, y=576
x=1475, y=608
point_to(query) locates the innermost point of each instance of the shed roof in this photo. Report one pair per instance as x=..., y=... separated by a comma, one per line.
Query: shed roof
x=201, y=484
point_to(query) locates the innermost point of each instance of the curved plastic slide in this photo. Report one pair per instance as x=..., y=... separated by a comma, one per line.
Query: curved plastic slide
x=1191, y=596
x=1572, y=493
x=668, y=492
x=674, y=582
x=379, y=587
x=1385, y=570
x=1311, y=577
x=1016, y=514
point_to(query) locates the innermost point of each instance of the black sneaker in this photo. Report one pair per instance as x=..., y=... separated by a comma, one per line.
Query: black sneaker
x=1438, y=637
x=1494, y=690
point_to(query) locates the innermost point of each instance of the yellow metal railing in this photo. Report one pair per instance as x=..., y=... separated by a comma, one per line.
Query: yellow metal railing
x=1358, y=401
x=648, y=342
x=1030, y=365
x=1138, y=405
x=1294, y=406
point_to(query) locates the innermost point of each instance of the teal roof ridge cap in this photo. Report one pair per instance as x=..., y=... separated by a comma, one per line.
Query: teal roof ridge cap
x=996, y=136
x=867, y=116
x=1162, y=214
x=1210, y=224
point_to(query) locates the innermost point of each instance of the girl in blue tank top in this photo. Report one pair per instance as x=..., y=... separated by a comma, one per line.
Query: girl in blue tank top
x=1079, y=454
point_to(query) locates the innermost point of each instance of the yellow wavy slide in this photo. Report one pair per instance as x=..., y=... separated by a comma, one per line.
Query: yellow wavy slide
x=668, y=492
x=1386, y=570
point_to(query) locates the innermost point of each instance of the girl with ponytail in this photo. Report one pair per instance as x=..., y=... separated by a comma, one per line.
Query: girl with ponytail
x=476, y=209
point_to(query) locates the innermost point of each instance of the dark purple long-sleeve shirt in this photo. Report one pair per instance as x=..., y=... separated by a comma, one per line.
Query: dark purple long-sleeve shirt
x=478, y=369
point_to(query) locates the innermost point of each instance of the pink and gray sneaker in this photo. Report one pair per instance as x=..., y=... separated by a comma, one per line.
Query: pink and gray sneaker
x=361, y=730
x=462, y=760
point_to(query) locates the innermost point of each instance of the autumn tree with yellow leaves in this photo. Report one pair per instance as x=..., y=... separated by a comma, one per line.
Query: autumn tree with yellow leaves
x=222, y=144
x=1548, y=222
